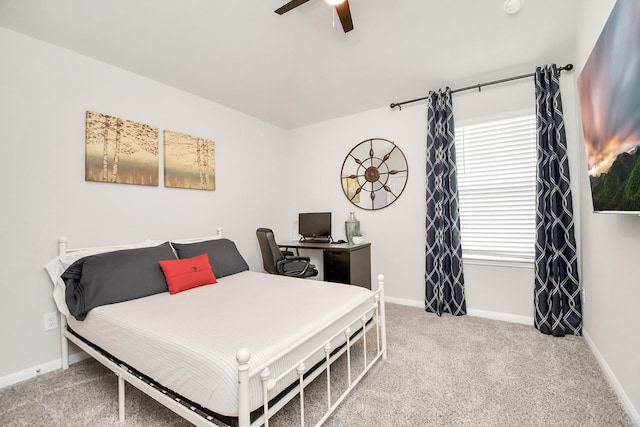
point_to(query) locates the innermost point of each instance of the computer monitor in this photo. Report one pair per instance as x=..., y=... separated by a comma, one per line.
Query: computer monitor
x=316, y=225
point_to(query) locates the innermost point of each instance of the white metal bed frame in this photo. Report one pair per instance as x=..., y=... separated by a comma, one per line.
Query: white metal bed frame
x=243, y=356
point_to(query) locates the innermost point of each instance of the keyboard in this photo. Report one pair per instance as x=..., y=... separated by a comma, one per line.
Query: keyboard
x=316, y=240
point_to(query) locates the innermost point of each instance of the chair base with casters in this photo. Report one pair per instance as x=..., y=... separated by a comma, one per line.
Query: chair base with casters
x=280, y=262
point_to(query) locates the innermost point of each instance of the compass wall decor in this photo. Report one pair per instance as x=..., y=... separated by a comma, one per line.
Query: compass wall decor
x=374, y=174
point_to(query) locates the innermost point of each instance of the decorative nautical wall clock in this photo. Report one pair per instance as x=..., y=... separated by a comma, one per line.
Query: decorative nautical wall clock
x=374, y=174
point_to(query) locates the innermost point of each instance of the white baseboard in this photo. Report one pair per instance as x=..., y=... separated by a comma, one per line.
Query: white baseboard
x=404, y=301
x=626, y=402
x=506, y=317
x=27, y=374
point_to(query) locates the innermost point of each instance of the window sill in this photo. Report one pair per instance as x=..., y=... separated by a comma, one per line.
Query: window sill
x=495, y=261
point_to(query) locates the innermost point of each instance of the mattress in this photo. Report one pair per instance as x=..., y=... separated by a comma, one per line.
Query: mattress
x=188, y=341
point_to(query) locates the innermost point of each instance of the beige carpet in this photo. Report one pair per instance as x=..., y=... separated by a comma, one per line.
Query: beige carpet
x=448, y=371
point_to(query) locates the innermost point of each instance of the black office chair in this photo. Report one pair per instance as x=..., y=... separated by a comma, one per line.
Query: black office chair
x=280, y=262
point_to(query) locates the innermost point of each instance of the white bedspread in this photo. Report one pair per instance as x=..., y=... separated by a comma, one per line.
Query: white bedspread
x=188, y=341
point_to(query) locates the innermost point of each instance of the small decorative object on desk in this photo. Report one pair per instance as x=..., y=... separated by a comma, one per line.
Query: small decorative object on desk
x=358, y=237
x=351, y=225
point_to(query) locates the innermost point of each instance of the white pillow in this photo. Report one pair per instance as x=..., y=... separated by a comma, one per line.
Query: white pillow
x=59, y=264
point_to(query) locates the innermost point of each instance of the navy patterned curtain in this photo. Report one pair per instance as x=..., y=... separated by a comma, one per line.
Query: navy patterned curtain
x=444, y=280
x=557, y=302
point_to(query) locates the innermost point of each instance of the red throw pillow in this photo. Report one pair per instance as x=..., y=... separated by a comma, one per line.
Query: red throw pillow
x=183, y=274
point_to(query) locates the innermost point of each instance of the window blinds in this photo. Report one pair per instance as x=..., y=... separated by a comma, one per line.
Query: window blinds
x=496, y=164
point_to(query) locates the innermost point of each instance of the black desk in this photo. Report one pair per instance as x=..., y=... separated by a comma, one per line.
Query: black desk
x=343, y=263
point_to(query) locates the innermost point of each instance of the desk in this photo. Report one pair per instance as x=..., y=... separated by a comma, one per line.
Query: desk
x=343, y=263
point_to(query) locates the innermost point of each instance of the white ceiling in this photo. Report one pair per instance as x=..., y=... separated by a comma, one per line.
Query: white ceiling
x=298, y=69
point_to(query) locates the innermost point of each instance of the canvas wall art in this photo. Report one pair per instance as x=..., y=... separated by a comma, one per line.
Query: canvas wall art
x=189, y=161
x=120, y=151
x=609, y=91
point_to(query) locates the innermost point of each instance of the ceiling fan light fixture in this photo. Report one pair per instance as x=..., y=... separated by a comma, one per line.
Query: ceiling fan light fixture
x=342, y=9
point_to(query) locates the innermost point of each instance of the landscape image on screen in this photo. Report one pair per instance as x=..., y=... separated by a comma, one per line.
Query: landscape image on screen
x=609, y=91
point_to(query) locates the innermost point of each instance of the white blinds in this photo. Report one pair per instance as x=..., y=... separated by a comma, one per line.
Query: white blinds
x=497, y=184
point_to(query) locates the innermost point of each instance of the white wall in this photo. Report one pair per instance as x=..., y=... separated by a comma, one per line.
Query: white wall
x=45, y=93
x=397, y=232
x=610, y=248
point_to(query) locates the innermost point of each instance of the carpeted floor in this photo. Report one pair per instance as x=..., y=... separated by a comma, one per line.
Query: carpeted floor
x=447, y=371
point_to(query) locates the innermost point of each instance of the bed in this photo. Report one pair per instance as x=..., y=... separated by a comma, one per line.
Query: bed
x=234, y=348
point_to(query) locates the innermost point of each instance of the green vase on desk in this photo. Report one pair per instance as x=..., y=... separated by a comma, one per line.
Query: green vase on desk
x=351, y=225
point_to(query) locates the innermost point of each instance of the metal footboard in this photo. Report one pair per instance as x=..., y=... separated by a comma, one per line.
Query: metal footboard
x=377, y=314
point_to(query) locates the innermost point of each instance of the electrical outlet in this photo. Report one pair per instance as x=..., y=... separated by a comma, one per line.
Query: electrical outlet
x=50, y=321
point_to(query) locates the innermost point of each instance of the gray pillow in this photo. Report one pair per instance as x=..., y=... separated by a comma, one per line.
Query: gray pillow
x=223, y=255
x=112, y=277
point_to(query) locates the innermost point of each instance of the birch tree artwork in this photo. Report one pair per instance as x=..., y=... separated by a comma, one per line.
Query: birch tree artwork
x=189, y=161
x=120, y=151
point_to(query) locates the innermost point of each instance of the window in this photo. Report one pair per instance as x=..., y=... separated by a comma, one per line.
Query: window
x=496, y=163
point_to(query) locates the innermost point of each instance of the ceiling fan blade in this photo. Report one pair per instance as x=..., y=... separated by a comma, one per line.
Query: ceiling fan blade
x=291, y=5
x=344, y=13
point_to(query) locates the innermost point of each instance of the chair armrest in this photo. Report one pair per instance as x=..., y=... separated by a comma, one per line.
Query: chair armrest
x=303, y=262
x=291, y=261
x=298, y=258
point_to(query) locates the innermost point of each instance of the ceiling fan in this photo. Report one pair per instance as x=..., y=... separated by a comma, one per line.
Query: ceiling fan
x=342, y=7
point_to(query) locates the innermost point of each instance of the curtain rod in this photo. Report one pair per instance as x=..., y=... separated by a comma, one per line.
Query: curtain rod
x=479, y=86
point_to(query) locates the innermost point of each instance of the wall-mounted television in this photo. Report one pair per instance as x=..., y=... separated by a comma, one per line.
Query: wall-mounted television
x=609, y=91
x=315, y=225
